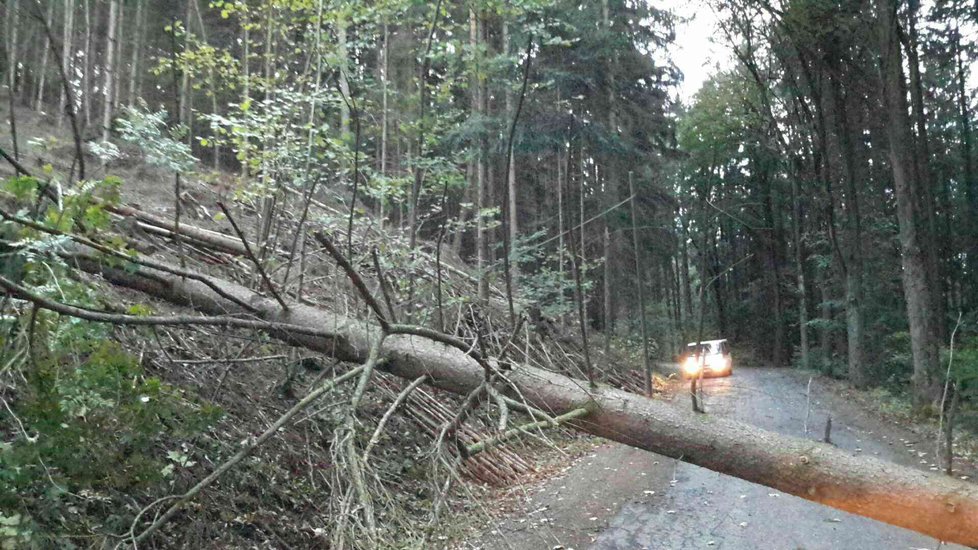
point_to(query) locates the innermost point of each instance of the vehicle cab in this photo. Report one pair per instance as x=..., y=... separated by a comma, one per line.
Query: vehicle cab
x=712, y=356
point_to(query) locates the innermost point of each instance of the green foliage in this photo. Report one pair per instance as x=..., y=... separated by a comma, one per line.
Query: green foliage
x=83, y=425
x=89, y=422
x=964, y=367
x=147, y=130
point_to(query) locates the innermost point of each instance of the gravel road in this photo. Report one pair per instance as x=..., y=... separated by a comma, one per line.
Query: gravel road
x=621, y=498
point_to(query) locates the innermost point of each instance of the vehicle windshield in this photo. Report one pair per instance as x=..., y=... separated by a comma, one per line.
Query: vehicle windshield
x=707, y=348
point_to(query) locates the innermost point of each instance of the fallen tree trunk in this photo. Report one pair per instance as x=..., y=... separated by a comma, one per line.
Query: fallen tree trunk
x=939, y=506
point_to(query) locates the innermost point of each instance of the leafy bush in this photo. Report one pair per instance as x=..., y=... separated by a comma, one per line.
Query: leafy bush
x=81, y=424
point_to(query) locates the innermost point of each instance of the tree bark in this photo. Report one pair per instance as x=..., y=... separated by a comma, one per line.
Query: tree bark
x=482, y=193
x=88, y=85
x=12, y=16
x=136, y=46
x=968, y=173
x=110, y=49
x=916, y=284
x=925, y=175
x=939, y=506
x=39, y=97
x=66, y=56
x=841, y=139
x=639, y=283
x=796, y=229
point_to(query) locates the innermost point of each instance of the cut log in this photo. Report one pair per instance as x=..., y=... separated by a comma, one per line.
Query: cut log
x=939, y=506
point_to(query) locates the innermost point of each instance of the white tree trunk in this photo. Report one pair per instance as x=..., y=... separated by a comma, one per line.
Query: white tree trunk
x=66, y=54
x=110, y=49
x=39, y=98
x=87, y=85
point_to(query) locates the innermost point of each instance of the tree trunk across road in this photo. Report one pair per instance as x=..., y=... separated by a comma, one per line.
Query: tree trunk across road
x=939, y=506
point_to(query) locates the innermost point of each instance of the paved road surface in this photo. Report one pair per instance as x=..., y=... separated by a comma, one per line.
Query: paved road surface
x=621, y=498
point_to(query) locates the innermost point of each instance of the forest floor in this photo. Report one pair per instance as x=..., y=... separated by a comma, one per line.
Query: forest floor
x=618, y=497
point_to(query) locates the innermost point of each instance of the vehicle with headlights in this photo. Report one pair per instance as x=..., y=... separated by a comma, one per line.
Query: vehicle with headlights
x=712, y=356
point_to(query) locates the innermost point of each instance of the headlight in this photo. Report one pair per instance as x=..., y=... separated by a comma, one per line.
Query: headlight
x=691, y=365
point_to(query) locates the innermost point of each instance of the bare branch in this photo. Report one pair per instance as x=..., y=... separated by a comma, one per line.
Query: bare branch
x=401, y=397
x=252, y=257
x=526, y=428
x=355, y=278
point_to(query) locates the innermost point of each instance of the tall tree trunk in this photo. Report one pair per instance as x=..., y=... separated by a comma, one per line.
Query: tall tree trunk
x=39, y=97
x=12, y=21
x=843, y=142
x=120, y=42
x=560, y=230
x=482, y=195
x=825, y=333
x=916, y=286
x=796, y=231
x=613, y=187
x=88, y=84
x=66, y=53
x=513, y=215
x=607, y=315
x=968, y=171
x=136, y=46
x=384, y=70
x=245, y=81
x=342, y=27
x=639, y=283
x=110, y=69
x=925, y=176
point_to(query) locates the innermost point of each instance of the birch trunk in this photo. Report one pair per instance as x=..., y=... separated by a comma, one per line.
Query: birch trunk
x=110, y=69
x=66, y=53
x=42, y=77
x=13, y=16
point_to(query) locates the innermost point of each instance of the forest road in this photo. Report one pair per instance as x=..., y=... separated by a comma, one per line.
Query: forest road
x=623, y=498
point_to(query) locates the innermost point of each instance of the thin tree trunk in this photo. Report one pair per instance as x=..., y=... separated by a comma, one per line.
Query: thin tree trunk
x=684, y=273
x=120, y=41
x=482, y=199
x=136, y=46
x=89, y=85
x=384, y=69
x=968, y=172
x=66, y=52
x=39, y=97
x=607, y=316
x=344, y=69
x=246, y=83
x=800, y=266
x=825, y=334
x=639, y=283
x=511, y=168
x=13, y=17
x=110, y=69
x=560, y=235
